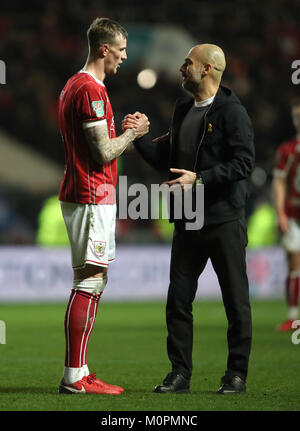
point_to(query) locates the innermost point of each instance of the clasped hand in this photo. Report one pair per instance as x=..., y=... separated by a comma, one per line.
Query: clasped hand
x=137, y=121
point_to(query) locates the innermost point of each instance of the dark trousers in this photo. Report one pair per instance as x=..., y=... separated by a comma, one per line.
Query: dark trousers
x=225, y=245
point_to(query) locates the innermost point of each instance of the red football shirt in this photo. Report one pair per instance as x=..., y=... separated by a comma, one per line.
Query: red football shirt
x=83, y=100
x=288, y=165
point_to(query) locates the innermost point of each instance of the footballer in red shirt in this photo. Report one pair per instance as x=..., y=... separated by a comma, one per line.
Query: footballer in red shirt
x=84, y=103
x=286, y=193
x=87, y=193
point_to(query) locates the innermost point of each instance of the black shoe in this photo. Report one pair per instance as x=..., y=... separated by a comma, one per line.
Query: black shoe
x=231, y=385
x=174, y=383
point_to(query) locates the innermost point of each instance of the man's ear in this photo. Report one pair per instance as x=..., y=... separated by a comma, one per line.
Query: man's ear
x=207, y=68
x=103, y=50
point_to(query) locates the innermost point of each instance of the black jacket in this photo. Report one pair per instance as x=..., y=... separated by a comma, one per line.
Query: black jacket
x=224, y=159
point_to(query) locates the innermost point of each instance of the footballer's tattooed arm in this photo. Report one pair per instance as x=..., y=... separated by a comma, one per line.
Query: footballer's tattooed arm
x=103, y=148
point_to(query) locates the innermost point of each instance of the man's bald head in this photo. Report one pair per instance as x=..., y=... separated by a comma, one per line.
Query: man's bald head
x=202, y=70
x=208, y=53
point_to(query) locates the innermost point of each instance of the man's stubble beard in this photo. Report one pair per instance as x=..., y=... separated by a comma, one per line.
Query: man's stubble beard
x=191, y=87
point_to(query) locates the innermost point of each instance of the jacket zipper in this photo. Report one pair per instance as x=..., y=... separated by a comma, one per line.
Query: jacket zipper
x=202, y=137
x=171, y=142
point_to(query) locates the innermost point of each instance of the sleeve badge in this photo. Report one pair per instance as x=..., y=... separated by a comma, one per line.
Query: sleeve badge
x=98, y=107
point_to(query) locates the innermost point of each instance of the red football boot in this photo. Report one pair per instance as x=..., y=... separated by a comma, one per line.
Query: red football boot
x=92, y=377
x=285, y=326
x=86, y=386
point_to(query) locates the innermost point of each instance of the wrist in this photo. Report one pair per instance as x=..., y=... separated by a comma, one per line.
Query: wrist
x=132, y=134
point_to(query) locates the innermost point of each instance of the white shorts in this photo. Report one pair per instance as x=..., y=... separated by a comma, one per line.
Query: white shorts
x=91, y=231
x=291, y=239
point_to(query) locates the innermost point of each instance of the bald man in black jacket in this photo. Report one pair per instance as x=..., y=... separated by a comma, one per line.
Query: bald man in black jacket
x=210, y=142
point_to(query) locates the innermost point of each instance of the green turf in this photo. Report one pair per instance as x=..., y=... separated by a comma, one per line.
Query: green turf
x=128, y=348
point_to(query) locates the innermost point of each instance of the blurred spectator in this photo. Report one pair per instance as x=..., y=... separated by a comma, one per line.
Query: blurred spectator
x=51, y=229
x=262, y=226
x=14, y=229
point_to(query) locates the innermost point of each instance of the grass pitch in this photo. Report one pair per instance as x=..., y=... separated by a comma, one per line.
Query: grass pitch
x=128, y=348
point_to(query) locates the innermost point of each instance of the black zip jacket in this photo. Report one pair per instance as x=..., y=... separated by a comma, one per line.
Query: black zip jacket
x=224, y=159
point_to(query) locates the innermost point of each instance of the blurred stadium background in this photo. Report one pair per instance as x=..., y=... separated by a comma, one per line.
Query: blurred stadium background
x=43, y=43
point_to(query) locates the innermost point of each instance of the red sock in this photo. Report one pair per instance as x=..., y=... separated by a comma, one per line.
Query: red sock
x=92, y=318
x=292, y=290
x=79, y=322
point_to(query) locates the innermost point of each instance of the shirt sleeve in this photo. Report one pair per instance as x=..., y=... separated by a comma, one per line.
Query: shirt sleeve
x=91, y=103
x=155, y=153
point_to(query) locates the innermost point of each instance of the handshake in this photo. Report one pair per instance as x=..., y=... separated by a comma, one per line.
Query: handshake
x=137, y=121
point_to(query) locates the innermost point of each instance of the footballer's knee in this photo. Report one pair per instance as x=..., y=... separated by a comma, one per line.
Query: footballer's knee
x=294, y=262
x=89, y=271
x=92, y=279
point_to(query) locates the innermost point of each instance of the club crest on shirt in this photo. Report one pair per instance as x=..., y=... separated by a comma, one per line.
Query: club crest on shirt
x=98, y=107
x=99, y=248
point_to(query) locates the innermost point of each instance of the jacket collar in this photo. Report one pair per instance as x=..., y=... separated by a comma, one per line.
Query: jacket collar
x=224, y=95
